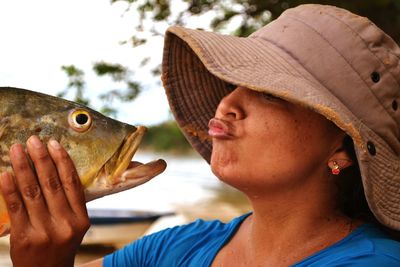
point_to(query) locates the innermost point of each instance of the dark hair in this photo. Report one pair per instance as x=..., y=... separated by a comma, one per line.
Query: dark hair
x=352, y=201
x=351, y=197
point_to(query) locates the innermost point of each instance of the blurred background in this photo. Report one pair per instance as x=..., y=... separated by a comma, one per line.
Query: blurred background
x=106, y=54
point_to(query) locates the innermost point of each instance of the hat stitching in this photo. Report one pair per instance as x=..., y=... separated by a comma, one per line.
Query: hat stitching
x=258, y=38
x=382, y=61
x=178, y=69
x=377, y=141
x=318, y=80
x=338, y=11
x=366, y=45
x=269, y=52
x=203, y=54
x=372, y=91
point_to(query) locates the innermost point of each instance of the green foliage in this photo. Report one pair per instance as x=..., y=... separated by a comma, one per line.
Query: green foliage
x=116, y=71
x=166, y=137
x=75, y=80
x=256, y=13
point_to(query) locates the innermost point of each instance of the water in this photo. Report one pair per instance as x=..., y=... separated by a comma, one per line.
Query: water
x=186, y=181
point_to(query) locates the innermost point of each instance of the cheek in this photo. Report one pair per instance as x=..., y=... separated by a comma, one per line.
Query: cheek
x=282, y=152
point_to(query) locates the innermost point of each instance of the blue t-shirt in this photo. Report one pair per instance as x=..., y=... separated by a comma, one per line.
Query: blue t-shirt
x=197, y=244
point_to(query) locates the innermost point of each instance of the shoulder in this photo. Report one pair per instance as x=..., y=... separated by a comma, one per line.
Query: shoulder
x=177, y=246
x=199, y=231
x=202, y=227
x=366, y=246
x=373, y=242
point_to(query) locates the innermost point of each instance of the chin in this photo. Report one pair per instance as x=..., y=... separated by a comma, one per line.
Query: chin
x=221, y=164
x=226, y=174
x=222, y=172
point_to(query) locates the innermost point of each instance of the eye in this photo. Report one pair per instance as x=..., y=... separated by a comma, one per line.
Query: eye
x=269, y=96
x=79, y=120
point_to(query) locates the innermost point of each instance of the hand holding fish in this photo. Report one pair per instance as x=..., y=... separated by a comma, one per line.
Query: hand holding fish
x=46, y=208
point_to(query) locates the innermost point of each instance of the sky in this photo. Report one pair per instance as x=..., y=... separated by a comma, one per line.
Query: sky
x=38, y=37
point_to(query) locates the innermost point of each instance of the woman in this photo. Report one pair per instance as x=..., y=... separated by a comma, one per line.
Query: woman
x=309, y=90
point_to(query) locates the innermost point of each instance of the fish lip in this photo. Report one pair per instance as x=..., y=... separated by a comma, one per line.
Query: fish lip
x=220, y=129
x=142, y=173
x=120, y=160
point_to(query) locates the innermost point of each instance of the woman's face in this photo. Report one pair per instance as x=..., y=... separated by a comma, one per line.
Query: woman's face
x=261, y=142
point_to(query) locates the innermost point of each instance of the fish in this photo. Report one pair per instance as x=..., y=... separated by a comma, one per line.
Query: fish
x=100, y=147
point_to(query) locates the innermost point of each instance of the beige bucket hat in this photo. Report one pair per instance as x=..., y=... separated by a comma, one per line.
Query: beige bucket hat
x=337, y=63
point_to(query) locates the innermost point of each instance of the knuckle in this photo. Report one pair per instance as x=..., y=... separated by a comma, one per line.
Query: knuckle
x=84, y=225
x=77, y=228
x=41, y=154
x=22, y=167
x=71, y=179
x=37, y=240
x=43, y=240
x=62, y=156
x=32, y=191
x=54, y=184
x=14, y=206
x=66, y=236
x=69, y=234
x=21, y=242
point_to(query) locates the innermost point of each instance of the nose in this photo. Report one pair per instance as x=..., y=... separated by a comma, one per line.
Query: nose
x=231, y=106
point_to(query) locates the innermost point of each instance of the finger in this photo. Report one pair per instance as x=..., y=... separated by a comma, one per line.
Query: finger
x=15, y=206
x=27, y=184
x=69, y=177
x=48, y=177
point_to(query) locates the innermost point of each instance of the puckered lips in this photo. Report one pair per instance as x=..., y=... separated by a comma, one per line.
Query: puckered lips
x=220, y=129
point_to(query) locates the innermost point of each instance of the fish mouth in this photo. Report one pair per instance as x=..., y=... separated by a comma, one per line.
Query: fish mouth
x=119, y=173
x=119, y=162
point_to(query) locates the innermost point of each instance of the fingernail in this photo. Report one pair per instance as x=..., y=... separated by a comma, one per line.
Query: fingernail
x=35, y=141
x=17, y=150
x=54, y=144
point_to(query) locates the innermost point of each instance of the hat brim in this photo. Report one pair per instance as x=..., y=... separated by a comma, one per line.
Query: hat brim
x=199, y=66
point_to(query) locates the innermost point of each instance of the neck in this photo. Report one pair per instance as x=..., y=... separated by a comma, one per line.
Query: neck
x=296, y=223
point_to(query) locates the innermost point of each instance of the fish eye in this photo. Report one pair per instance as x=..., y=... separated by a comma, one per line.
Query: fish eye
x=79, y=120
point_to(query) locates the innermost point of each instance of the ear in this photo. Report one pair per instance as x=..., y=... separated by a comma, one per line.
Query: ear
x=342, y=159
x=340, y=156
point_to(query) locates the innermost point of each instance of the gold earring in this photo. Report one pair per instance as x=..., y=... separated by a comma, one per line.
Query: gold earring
x=335, y=168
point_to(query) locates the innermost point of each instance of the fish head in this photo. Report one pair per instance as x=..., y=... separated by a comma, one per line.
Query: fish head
x=100, y=147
